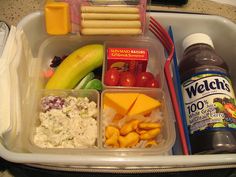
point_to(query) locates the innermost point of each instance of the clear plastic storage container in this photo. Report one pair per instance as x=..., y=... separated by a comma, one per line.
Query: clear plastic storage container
x=164, y=140
x=75, y=126
x=64, y=45
x=154, y=62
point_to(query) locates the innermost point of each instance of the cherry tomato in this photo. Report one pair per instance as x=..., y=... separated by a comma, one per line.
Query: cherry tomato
x=152, y=83
x=112, y=77
x=127, y=79
x=142, y=78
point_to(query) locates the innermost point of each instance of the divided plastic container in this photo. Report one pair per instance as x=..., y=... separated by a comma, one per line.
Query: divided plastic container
x=167, y=136
x=31, y=145
x=155, y=63
x=30, y=69
x=64, y=45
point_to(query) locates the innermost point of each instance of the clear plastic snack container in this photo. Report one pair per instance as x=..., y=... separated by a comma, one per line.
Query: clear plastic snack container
x=64, y=45
x=107, y=17
x=164, y=140
x=154, y=63
x=71, y=131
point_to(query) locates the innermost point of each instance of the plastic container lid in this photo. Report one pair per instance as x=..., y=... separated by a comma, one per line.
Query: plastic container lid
x=197, y=38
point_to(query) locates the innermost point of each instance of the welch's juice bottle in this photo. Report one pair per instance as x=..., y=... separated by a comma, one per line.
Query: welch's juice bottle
x=208, y=97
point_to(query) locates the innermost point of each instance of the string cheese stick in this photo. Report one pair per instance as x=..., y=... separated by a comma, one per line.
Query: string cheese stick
x=109, y=9
x=110, y=24
x=113, y=31
x=109, y=16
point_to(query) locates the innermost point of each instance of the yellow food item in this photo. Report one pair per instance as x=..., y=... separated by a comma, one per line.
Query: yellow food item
x=140, y=131
x=149, y=125
x=151, y=143
x=110, y=131
x=109, y=16
x=112, y=134
x=136, y=128
x=112, y=31
x=109, y=9
x=77, y=65
x=129, y=127
x=129, y=140
x=131, y=133
x=121, y=102
x=143, y=105
x=150, y=134
x=57, y=18
x=110, y=20
x=112, y=141
x=111, y=24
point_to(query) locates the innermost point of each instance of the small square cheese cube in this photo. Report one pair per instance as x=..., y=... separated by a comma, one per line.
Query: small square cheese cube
x=57, y=18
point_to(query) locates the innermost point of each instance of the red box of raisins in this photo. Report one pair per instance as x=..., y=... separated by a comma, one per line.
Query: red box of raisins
x=127, y=59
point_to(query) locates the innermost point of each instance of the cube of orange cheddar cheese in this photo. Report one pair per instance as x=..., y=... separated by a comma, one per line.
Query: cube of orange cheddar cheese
x=57, y=18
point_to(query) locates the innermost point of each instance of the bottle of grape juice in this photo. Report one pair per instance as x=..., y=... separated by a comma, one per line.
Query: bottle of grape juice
x=208, y=97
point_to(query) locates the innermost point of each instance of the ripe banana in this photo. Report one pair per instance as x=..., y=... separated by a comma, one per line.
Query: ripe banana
x=76, y=66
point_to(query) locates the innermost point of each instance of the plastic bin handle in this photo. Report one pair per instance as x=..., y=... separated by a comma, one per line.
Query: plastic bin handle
x=166, y=41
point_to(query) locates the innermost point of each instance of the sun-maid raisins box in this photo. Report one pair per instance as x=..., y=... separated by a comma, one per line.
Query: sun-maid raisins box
x=124, y=59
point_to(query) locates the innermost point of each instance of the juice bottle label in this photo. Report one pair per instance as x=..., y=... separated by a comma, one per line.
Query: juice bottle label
x=209, y=102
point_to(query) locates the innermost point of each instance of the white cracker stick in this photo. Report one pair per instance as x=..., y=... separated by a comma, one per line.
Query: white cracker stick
x=110, y=24
x=109, y=16
x=111, y=31
x=109, y=9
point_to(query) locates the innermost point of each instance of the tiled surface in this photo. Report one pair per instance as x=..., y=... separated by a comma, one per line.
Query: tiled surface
x=11, y=11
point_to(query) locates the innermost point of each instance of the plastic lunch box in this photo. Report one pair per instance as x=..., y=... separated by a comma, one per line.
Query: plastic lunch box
x=24, y=73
